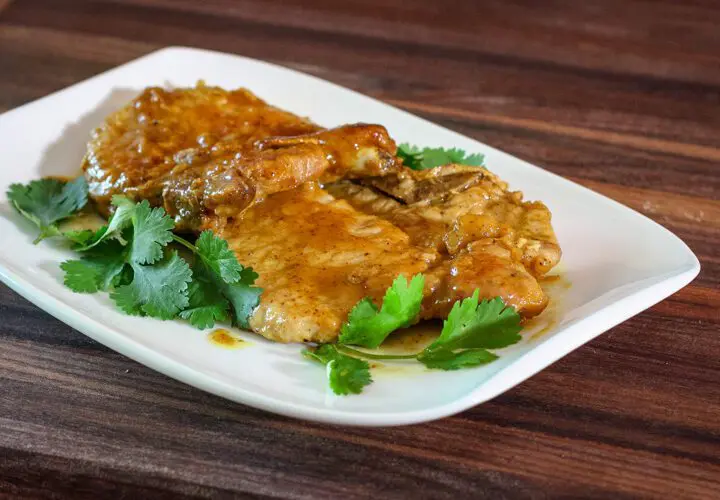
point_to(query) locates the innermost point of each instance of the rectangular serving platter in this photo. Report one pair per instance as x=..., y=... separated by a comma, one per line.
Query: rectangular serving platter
x=616, y=262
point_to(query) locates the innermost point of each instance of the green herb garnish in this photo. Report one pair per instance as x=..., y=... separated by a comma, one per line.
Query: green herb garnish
x=369, y=326
x=346, y=374
x=422, y=159
x=130, y=258
x=470, y=331
x=48, y=201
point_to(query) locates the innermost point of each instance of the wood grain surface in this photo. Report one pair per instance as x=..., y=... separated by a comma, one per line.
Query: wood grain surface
x=622, y=96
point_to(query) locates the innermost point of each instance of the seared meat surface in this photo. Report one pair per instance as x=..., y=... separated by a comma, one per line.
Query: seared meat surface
x=136, y=147
x=205, y=152
x=317, y=257
x=486, y=237
x=326, y=217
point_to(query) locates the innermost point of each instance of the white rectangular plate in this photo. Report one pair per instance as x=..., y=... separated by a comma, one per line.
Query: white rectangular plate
x=617, y=261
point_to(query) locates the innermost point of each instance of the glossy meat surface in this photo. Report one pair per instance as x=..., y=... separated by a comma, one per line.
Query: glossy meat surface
x=206, y=152
x=317, y=257
x=485, y=236
x=225, y=180
x=137, y=146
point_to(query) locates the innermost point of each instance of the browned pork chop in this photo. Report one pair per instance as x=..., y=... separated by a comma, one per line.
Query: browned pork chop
x=206, y=152
x=136, y=147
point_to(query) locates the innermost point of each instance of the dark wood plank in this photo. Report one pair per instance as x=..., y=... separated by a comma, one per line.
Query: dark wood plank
x=620, y=96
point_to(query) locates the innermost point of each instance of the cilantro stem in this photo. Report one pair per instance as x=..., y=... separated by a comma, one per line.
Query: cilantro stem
x=358, y=353
x=184, y=243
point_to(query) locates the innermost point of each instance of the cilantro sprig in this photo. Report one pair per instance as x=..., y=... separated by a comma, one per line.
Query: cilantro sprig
x=346, y=374
x=421, y=159
x=221, y=286
x=46, y=202
x=472, y=329
x=369, y=326
x=158, y=282
x=130, y=258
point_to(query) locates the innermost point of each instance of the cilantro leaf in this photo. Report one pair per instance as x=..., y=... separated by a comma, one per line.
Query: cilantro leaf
x=119, y=221
x=81, y=276
x=411, y=156
x=435, y=157
x=346, y=375
x=80, y=237
x=45, y=202
x=152, y=230
x=243, y=298
x=158, y=290
x=446, y=359
x=97, y=271
x=470, y=329
x=218, y=257
x=217, y=266
x=369, y=327
x=206, y=304
x=488, y=324
x=422, y=159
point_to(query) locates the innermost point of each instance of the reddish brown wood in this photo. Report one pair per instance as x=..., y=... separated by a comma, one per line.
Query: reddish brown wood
x=622, y=96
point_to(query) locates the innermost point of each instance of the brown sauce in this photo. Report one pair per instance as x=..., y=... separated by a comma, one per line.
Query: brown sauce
x=555, y=287
x=223, y=338
x=413, y=339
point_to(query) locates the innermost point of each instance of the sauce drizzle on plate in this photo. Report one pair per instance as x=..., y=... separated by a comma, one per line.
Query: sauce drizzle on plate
x=223, y=338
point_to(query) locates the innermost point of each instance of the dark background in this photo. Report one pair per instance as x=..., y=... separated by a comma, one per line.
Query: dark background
x=621, y=96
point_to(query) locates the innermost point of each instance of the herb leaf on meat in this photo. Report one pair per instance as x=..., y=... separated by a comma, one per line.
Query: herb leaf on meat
x=422, y=159
x=369, y=326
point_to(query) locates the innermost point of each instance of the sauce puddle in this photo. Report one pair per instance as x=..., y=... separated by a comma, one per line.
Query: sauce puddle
x=410, y=340
x=223, y=338
x=83, y=220
x=556, y=287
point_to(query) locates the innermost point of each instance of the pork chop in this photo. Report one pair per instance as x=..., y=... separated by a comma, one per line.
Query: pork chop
x=205, y=152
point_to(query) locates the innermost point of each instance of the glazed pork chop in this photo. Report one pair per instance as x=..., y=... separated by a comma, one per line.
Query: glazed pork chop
x=136, y=147
x=206, y=152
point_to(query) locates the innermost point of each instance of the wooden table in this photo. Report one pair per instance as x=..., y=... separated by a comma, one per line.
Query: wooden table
x=621, y=96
